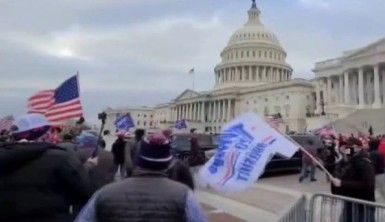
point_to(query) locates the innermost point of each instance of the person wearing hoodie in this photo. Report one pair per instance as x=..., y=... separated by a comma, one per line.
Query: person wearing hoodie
x=39, y=181
x=148, y=195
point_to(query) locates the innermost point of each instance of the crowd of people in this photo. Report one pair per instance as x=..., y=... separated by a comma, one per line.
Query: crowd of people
x=60, y=174
x=356, y=165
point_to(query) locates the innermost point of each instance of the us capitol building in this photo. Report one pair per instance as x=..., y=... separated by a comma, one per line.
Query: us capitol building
x=253, y=76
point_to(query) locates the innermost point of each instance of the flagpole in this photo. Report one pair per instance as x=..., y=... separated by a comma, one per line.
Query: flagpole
x=193, y=81
x=307, y=153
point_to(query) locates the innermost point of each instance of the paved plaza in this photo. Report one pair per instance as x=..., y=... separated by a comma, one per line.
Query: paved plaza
x=266, y=201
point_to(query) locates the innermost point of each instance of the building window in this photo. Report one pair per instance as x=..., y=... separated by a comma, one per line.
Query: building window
x=138, y=123
x=247, y=53
x=241, y=54
x=255, y=101
x=287, y=97
x=253, y=53
x=266, y=100
x=265, y=54
x=150, y=116
x=271, y=55
x=259, y=54
x=144, y=123
x=139, y=115
x=144, y=115
x=247, y=102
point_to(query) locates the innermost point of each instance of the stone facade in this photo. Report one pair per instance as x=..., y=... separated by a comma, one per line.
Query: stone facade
x=353, y=81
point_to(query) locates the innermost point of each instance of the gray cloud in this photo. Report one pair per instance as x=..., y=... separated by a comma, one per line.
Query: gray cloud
x=139, y=51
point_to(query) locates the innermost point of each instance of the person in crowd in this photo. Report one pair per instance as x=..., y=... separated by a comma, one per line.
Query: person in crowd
x=308, y=163
x=4, y=136
x=330, y=153
x=197, y=156
x=118, y=152
x=104, y=172
x=179, y=170
x=160, y=199
x=381, y=146
x=356, y=180
x=378, y=163
x=42, y=180
x=132, y=149
x=54, y=135
x=68, y=143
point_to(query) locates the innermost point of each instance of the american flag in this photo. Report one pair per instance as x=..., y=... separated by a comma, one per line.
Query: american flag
x=274, y=120
x=6, y=122
x=58, y=105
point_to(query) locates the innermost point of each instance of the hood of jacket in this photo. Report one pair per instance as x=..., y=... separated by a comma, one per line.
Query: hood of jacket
x=15, y=155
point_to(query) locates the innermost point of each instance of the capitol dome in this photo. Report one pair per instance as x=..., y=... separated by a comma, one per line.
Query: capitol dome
x=253, y=56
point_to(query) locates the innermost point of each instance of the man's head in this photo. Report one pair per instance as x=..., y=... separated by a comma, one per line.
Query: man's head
x=30, y=127
x=68, y=137
x=139, y=133
x=86, y=140
x=154, y=152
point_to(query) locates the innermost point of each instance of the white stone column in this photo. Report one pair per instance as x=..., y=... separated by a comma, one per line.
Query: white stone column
x=209, y=117
x=223, y=115
x=193, y=111
x=361, y=102
x=346, y=88
x=263, y=74
x=228, y=110
x=329, y=90
x=383, y=86
x=377, y=98
x=318, y=98
x=250, y=73
x=203, y=112
x=214, y=110
x=341, y=89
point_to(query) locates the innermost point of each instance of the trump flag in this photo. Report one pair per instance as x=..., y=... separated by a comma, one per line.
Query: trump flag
x=181, y=124
x=245, y=146
x=124, y=123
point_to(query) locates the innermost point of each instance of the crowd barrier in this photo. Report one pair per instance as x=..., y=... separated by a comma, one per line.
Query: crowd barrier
x=297, y=212
x=332, y=208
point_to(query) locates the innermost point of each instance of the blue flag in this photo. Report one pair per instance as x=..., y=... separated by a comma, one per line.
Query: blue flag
x=124, y=123
x=181, y=124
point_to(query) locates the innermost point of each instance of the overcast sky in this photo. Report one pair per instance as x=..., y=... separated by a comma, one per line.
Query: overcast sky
x=138, y=52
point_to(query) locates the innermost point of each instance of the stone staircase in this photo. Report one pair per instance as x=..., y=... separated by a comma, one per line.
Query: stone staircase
x=361, y=120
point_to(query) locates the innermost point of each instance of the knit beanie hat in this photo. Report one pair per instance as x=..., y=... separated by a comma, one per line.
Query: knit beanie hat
x=154, y=152
x=86, y=140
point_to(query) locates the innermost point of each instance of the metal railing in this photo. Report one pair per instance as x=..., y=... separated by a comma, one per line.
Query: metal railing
x=296, y=213
x=333, y=208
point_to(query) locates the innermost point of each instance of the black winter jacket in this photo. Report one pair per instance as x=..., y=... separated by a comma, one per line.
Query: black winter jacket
x=358, y=178
x=38, y=182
